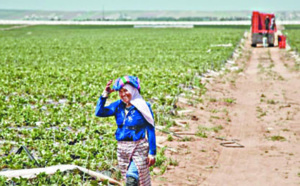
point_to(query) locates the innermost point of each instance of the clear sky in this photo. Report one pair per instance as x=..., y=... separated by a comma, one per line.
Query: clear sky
x=201, y=5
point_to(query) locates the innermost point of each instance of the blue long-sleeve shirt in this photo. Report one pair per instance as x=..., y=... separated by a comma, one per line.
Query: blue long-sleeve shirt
x=131, y=127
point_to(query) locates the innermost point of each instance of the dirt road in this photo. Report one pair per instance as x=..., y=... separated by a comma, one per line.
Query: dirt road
x=258, y=106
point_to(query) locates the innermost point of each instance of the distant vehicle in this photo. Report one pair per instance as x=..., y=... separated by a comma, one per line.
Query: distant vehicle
x=263, y=28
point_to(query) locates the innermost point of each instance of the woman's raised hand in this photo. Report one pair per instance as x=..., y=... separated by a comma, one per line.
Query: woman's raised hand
x=107, y=88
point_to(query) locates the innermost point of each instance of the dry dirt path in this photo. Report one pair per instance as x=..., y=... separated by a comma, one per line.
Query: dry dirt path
x=265, y=118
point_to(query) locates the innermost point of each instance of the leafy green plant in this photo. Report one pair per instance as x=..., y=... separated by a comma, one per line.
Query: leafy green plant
x=201, y=132
x=271, y=102
x=212, y=99
x=229, y=100
x=260, y=112
x=217, y=128
x=278, y=138
x=186, y=138
x=215, y=117
x=170, y=138
x=173, y=162
x=160, y=157
x=214, y=111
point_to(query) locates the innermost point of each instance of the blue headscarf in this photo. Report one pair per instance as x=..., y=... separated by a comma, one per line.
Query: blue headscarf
x=132, y=80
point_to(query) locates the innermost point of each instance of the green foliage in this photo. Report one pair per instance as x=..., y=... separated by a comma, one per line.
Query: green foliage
x=260, y=112
x=278, y=138
x=212, y=99
x=7, y=26
x=51, y=78
x=3, y=180
x=229, y=100
x=292, y=32
x=170, y=137
x=214, y=111
x=202, y=130
x=186, y=138
x=271, y=102
x=173, y=162
x=160, y=157
x=217, y=128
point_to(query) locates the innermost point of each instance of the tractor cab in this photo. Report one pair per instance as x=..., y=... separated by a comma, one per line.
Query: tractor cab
x=263, y=29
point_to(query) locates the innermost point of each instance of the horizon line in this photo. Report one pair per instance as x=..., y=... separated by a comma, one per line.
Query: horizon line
x=148, y=10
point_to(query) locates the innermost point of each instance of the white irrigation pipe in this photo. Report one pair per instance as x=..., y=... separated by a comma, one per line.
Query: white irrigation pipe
x=32, y=173
x=11, y=142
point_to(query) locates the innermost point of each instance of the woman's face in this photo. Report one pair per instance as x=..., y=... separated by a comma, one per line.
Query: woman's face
x=125, y=95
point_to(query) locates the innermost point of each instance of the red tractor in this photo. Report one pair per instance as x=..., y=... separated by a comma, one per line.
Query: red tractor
x=263, y=29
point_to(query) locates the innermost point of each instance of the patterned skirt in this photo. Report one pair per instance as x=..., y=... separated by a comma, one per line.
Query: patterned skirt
x=138, y=152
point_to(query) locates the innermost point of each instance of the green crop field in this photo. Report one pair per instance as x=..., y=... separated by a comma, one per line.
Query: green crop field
x=51, y=78
x=7, y=26
x=293, y=32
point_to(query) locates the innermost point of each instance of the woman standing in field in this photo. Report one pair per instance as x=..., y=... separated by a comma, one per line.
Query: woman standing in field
x=133, y=117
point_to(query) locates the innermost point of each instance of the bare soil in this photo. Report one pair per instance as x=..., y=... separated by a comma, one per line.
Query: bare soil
x=257, y=107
